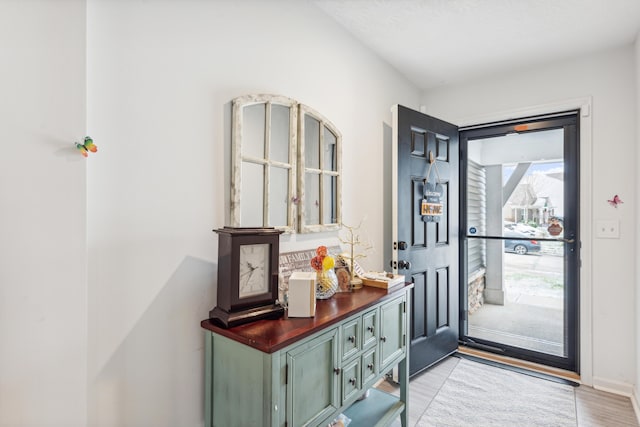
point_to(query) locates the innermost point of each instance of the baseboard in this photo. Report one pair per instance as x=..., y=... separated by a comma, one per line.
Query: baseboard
x=615, y=387
x=636, y=405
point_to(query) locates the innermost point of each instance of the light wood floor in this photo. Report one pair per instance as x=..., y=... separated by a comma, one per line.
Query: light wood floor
x=594, y=408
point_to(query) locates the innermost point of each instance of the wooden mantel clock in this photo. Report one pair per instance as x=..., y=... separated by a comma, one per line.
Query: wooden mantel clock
x=248, y=261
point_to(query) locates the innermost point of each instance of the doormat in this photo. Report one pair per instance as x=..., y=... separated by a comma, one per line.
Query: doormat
x=478, y=395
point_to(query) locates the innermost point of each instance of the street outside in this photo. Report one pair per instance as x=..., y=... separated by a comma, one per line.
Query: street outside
x=536, y=279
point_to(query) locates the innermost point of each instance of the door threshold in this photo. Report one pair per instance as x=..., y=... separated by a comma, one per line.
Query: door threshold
x=521, y=364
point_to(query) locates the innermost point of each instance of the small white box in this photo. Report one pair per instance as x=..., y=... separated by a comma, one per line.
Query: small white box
x=302, y=294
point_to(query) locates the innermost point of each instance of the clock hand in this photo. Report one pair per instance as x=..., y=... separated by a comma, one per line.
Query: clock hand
x=250, y=274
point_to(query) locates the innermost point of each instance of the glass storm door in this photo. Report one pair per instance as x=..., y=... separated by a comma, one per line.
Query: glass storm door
x=519, y=239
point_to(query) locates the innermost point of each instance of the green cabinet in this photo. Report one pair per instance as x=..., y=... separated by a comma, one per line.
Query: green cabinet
x=311, y=389
x=393, y=332
x=305, y=372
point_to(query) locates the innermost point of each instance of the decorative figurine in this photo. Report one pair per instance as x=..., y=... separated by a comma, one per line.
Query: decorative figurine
x=87, y=146
x=615, y=201
x=354, y=240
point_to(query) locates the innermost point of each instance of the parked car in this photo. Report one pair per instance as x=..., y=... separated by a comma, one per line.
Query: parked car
x=524, y=228
x=520, y=247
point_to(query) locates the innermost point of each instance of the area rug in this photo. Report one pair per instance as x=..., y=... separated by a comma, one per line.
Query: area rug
x=480, y=395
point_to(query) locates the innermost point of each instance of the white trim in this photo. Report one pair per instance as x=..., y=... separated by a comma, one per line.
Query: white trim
x=636, y=405
x=614, y=387
x=586, y=186
x=394, y=182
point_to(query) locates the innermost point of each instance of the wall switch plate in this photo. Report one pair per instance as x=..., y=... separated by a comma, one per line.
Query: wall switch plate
x=608, y=229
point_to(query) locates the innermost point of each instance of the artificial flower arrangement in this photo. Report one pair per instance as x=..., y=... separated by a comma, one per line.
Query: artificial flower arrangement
x=322, y=263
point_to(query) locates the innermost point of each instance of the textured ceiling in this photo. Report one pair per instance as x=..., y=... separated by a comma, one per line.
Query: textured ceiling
x=440, y=42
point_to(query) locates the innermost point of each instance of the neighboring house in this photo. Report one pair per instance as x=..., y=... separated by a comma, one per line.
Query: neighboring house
x=537, y=198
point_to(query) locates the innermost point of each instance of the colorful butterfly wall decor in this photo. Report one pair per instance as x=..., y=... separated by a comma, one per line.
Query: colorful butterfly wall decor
x=87, y=146
x=615, y=201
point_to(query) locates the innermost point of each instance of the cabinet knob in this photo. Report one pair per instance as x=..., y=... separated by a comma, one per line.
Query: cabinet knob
x=383, y=339
x=337, y=371
x=352, y=381
x=370, y=366
x=352, y=338
x=370, y=329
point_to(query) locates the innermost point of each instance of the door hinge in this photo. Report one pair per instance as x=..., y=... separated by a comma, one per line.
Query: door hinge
x=404, y=340
x=404, y=307
x=286, y=374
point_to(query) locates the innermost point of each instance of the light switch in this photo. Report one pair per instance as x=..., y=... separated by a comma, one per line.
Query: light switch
x=608, y=229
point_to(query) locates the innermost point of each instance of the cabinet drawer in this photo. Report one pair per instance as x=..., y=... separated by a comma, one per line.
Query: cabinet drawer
x=351, y=336
x=370, y=329
x=351, y=380
x=369, y=367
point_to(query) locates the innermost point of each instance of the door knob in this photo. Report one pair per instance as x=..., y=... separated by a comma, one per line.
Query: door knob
x=404, y=265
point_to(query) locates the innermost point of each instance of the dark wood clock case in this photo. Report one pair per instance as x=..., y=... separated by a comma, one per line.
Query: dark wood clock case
x=231, y=310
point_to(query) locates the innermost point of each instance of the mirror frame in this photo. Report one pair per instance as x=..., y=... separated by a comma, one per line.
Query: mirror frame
x=237, y=158
x=296, y=216
x=302, y=219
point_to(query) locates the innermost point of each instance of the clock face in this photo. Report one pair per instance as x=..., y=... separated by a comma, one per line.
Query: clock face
x=254, y=270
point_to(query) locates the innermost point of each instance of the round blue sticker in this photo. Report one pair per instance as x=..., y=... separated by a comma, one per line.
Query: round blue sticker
x=472, y=230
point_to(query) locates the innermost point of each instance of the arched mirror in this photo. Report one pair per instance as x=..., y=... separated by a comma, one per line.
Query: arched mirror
x=319, y=178
x=263, y=181
x=286, y=166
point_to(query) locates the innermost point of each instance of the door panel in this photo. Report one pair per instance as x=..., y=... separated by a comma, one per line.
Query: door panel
x=442, y=279
x=418, y=318
x=442, y=227
x=419, y=229
x=426, y=160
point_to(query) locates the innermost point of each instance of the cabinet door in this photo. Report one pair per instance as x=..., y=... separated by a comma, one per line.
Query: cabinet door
x=312, y=380
x=392, y=331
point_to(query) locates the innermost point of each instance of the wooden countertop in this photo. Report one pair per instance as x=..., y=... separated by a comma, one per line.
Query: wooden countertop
x=272, y=335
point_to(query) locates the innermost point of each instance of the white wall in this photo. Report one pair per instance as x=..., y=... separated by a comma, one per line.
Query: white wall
x=43, y=290
x=637, y=299
x=161, y=76
x=608, y=77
